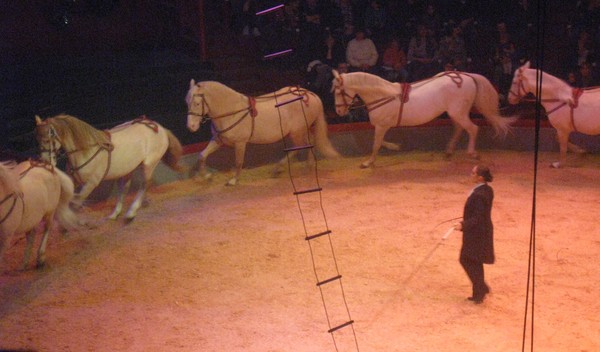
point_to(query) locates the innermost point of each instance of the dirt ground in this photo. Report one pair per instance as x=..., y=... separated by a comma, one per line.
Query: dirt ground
x=212, y=268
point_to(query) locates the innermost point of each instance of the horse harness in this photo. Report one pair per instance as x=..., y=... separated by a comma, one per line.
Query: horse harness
x=403, y=96
x=14, y=195
x=576, y=93
x=249, y=110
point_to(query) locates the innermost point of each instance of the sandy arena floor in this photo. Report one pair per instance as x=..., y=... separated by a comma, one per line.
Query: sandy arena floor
x=212, y=268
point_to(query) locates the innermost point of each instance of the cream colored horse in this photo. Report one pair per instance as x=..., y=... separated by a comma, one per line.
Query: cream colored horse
x=30, y=193
x=95, y=155
x=393, y=104
x=568, y=109
x=238, y=120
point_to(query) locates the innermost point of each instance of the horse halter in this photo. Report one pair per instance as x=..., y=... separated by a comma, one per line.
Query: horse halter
x=54, y=144
x=339, y=90
x=204, y=114
x=521, y=92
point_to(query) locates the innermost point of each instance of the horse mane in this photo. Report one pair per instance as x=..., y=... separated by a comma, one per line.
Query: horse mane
x=79, y=133
x=9, y=181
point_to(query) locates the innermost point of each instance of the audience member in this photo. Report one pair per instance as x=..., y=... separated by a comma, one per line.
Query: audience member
x=344, y=10
x=375, y=20
x=333, y=51
x=393, y=64
x=452, y=49
x=432, y=20
x=421, y=55
x=586, y=76
x=361, y=52
x=249, y=18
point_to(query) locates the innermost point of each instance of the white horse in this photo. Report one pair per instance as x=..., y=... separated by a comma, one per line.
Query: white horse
x=95, y=155
x=568, y=109
x=394, y=104
x=30, y=193
x=238, y=119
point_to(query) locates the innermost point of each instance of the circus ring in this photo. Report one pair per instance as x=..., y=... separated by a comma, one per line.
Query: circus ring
x=212, y=268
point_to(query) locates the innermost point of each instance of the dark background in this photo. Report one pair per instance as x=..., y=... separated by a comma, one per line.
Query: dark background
x=110, y=61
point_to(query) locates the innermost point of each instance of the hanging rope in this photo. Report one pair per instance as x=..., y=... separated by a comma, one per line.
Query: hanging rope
x=530, y=294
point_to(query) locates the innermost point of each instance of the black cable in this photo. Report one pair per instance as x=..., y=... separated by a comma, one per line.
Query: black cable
x=539, y=50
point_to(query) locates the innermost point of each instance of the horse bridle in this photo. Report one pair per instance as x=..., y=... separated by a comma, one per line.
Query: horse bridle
x=521, y=92
x=53, y=149
x=339, y=90
x=204, y=114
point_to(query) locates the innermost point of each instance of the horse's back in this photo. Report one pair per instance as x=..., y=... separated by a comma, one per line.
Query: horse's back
x=41, y=189
x=138, y=142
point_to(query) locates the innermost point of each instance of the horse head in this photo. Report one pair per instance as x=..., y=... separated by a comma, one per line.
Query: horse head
x=197, y=106
x=343, y=100
x=519, y=87
x=48, y=140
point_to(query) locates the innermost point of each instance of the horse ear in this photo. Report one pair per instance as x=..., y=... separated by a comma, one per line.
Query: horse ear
x=38, y=120
x=192, y=83
x=527, y=64
x=336, y=74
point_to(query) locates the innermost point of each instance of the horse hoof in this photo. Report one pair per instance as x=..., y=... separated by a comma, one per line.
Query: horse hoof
x=474, y=156
x=555, y=165
x=128, y=219
x=447, y=155
x=231, y=182
x=364, y=166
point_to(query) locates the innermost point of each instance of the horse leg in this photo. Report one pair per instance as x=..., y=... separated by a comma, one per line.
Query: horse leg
x=41, y=256
x=85, y=191
x=465, y=123
x=30, y=237
x=124, y=184
x=454, y=139
x=279, y=166
x=137, y=201
x=212, y=147
x=240, y=152
x=377, y=141
x=390, y=145
x=563, y=143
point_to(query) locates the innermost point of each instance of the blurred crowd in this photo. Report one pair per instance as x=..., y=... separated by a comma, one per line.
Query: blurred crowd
x=410, y=40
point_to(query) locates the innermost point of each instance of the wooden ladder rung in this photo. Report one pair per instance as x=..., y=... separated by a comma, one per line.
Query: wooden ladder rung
x=329, y=280
x=300, y=147
x=319, y=189
x=341, y=326
x=312, y=237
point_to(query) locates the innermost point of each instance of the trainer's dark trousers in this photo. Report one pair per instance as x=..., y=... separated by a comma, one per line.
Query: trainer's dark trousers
x=474, y=270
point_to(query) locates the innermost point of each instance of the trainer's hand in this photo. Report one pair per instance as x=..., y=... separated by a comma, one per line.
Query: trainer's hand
x=458, y=226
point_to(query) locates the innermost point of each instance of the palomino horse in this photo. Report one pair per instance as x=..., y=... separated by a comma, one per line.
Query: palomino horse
x=393, y=104
x=238, y=119
x=32, y=192
x=568, y=109
x=95, y=155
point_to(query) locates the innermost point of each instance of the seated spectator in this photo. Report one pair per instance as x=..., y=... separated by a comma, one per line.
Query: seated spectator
x=431, y=19
x=393, y=64
x=421, y=55
x=361, y=53
x=587, y=76
x=375, y=20
x=333, y=51
x=452, y=49
x=503, y=75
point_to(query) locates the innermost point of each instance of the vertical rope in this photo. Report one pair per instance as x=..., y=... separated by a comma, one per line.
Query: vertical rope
x=530, y=294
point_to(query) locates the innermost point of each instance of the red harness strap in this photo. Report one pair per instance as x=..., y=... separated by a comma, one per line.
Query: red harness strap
x=404, y=96
x=252, y=103
x=146, y=122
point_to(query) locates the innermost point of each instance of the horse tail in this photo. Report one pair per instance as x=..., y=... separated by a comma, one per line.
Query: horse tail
x=322, y=141
x=66, y=217
x=486, y=101
x=173, y=153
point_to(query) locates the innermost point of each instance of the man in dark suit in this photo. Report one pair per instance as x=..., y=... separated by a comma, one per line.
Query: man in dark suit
x=478, y=232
